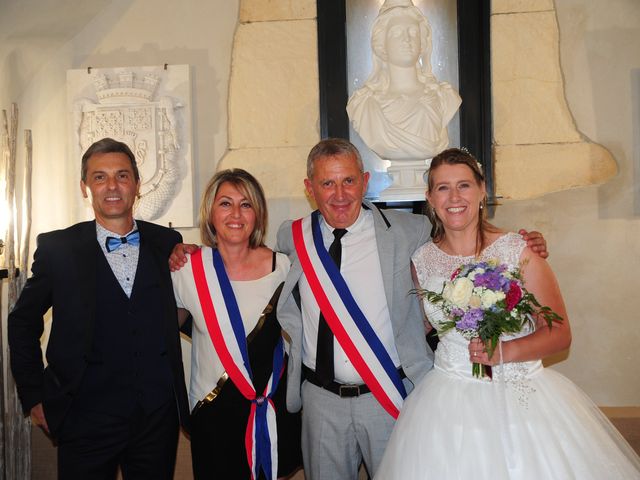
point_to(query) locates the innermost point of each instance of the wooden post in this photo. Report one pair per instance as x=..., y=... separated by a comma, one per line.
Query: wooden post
x=3, y=174
x=17, y=429
x=10, y=248
x=26, y=211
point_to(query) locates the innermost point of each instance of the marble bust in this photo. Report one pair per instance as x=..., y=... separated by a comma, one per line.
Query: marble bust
x=402, y=111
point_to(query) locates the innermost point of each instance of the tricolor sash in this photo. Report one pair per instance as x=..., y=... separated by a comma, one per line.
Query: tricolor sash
x=343, y=315
x=224, y=323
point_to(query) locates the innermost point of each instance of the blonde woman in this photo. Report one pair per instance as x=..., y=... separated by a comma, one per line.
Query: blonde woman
x=238, y=377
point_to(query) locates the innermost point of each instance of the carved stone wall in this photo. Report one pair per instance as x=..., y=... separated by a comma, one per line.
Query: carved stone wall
x=273, y=113
x=535, y=136
x=273, y=94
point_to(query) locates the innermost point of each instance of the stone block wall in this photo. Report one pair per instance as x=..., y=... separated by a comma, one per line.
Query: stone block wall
x=273, y=94
x=535, y=136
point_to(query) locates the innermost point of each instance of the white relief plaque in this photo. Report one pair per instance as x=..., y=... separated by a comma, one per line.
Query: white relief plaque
x=149, y=109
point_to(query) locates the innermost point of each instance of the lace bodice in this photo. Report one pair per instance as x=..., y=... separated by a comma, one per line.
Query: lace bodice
x=433, y=267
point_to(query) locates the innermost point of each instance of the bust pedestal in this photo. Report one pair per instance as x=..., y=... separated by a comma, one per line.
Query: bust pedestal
x=408, y=181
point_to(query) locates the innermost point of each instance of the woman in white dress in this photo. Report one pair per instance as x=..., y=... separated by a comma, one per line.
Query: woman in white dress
x=528, y=422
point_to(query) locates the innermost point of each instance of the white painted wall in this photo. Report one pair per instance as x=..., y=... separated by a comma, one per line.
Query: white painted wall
x=116, y=33
x=593, y=232
x=42, y=39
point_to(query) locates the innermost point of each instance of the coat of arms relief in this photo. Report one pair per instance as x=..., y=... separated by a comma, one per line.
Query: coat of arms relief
x=149, y=109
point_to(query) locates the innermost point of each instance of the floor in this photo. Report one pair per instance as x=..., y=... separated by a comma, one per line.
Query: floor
x=627, y=420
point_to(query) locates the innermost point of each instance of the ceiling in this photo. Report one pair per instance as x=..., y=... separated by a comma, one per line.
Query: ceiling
x=32, y=30
x=54, y=20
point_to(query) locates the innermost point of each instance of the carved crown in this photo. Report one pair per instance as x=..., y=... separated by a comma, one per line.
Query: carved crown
x=125, y=87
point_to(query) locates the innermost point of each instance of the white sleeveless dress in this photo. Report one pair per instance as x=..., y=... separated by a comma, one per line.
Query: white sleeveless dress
x=528, y=423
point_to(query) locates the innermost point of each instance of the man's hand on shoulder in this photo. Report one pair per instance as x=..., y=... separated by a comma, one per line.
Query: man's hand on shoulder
x=37, y=418
x=536, y=242
x=178, y=257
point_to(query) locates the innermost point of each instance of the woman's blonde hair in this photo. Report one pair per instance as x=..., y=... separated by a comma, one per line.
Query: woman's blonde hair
x=250, y=188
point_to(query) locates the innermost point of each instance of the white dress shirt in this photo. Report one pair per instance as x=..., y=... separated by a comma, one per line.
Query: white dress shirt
x=360, y=268
x=123, y=260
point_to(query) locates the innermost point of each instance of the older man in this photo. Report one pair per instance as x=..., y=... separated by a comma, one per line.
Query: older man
x=113, y=391
x=357, y=336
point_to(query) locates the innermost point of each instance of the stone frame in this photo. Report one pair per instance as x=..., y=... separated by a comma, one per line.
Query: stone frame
x=474, y=79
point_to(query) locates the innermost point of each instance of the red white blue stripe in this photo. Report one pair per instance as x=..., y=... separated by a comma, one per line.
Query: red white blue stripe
x=348, y=323
x=226, y=329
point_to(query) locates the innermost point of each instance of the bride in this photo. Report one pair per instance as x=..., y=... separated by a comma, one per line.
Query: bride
x=528, y=422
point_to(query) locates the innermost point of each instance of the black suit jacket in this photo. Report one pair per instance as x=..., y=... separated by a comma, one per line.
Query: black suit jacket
x=64, y=278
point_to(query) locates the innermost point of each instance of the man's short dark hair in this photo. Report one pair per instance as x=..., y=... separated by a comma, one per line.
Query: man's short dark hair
x=108, y=145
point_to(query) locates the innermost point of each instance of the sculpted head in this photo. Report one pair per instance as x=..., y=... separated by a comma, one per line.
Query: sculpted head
x=400, y=36
x=402, y=109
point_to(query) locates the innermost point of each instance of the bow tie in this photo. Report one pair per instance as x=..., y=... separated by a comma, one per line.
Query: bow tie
x=113, y=243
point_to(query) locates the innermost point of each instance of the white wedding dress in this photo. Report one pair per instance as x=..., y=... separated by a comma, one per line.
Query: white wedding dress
x=528, y=423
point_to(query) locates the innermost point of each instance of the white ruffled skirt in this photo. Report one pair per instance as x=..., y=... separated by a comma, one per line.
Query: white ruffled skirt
x=542, y=428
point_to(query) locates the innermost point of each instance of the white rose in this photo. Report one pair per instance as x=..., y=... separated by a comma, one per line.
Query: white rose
x=461, y=292
x=446, y=291
x=475, y=301
x=490, y=298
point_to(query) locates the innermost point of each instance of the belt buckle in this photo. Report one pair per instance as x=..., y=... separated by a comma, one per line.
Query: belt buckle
x=349, y=391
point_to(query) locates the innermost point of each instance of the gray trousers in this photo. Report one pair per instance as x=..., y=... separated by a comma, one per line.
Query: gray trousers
x=339, y=433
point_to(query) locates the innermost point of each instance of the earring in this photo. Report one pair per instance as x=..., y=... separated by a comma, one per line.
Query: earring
x=481, y=206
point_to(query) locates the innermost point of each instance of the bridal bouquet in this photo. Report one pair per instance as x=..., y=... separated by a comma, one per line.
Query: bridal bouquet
x=486, y=299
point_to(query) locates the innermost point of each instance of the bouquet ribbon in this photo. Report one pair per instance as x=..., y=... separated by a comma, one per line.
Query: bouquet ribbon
x=503, y=414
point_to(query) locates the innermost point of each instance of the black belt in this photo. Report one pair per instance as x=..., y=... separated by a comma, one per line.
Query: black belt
x=340, y=389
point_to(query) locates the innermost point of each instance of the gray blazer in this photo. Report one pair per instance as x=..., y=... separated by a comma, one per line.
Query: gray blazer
x=398, y=235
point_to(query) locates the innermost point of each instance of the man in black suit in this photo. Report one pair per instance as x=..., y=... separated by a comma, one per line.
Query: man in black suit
x=112, y=393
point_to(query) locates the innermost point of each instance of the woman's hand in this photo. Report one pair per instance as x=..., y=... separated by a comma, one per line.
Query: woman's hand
x=478, y=353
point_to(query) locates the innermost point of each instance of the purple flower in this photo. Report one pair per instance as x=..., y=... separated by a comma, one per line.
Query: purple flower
x=492, y=280
x=470, y=319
